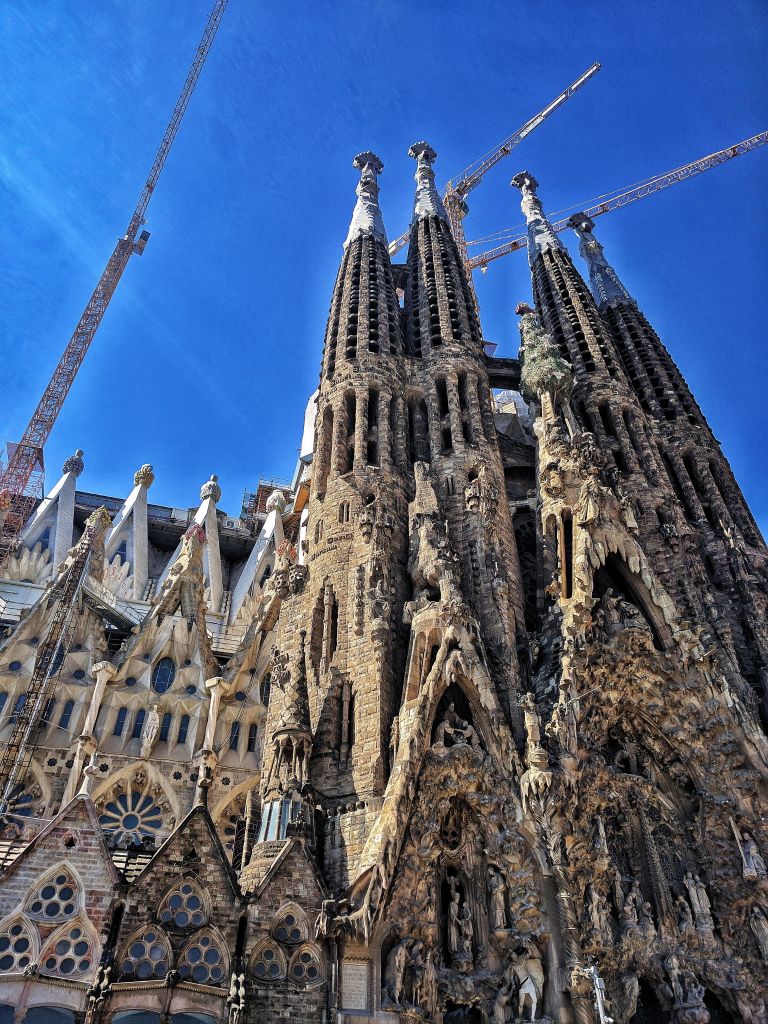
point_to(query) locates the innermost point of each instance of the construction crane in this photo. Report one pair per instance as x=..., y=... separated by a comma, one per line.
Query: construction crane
x=459, y=188
x=29, y=718
x=17, y=498
x=623, y=198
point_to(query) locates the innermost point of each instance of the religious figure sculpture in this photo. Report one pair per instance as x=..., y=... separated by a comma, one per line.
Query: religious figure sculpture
x=754, y=865
x=454, y=909
x=525, y=975
x=394, y=972
x=497, y=899
x=454, y=731
x=684, y=917
x=150, y=730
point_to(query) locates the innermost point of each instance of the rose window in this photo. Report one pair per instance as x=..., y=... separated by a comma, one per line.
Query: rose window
x=55, y=898
x=15, y=948
x=305, y=967
x=146, y=957
x=183, y=907
x=269, y=964
x=70, y=955
x=202, y=961
x=130, y=816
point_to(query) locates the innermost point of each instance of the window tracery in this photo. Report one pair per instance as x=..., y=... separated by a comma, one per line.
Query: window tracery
x=146, y=956
x=305, y=967
x=54, y=898
x=290, y=926
x=17, y=946
x=183, y=907
x=268, y=963
x=131, y=815
x=204, y=960
x=70, y=952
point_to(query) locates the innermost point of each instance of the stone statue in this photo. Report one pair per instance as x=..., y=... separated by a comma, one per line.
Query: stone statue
x=149, y=731
x=497, y=900
x=684, y=917
x=753, y=863
x=758, y=922
x=630, y=910
x=697, y=894
x=599, y=915
x=525, y=975
x=426, y=986
x=394, y=972
x=502, y=1003
x=467, y=931
x=453, y=731
x=453, y=921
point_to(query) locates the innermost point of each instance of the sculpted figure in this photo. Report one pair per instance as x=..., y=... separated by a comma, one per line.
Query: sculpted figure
x=502, y=1003
x=426, y=997
x=149, y=731
x=467, y=931
x=754, y=865
x=758, y=922
x=525, y=972
x=394, y=972
x=630, y=910
x=497, y=899
x=697, y=893
x=684, y=917
x=599, y=915
x=453, y=731
x=453, y=921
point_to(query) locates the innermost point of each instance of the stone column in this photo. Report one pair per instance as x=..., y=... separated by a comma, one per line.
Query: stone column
x=454, y=411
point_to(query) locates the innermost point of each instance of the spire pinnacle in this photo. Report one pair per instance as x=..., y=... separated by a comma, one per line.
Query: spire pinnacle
x=603, y=279
x=366, y=218
x=427, y=202
x=541, y=234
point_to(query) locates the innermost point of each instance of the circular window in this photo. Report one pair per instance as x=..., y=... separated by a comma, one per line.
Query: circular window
x=191, y=690
x=55, y=899
x=268, y=965
x=15, y=666
x=241, y=695
x=70, y=955
x=305, y=967
x=264, y=688
x=130, y=681
x=202, y=961
x=163, y=675
x=79, y=673
x=183, y=908
x=146, y=957
x=15, y=949
x=131, y=816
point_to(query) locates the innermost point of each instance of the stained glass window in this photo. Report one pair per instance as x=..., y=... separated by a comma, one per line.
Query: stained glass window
x=268, y=963
x=305, y=966
x=163, y=675
x=131, y=815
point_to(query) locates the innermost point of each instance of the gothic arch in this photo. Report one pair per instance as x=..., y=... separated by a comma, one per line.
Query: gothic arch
x=204, y=959
x=185, y=905
x=267, y=962
x=146, y=781
x=146, y=955
x=290, y=926
x=56, y=896
x=72, y=951
x=306, y=966
x=615, y=573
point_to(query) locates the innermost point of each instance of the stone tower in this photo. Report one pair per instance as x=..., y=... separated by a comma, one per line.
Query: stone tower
x=464, y=726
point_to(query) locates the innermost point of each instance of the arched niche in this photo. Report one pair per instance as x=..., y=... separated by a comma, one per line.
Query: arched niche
x=649, y=1009
x=453, y=704
x=616, y=575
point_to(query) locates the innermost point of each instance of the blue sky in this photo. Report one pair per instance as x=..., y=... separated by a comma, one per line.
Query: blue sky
x=212, y=343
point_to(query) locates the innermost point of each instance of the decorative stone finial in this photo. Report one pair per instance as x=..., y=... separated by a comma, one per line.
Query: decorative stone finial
x=604, y=282
x=366, y=218
x=145, y=476
x=276, y=502
x=541, y=235
x=427, y=202
x=368, y=159
x=74, y=464
x=422, y=151
x=525, y=181
x=211, y=489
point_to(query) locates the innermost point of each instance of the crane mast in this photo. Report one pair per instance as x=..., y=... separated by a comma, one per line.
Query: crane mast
x=630, y=195
x=455, y=192
x=16, y=497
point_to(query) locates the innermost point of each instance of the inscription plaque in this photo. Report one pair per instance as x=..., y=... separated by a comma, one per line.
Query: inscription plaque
x=354, y=986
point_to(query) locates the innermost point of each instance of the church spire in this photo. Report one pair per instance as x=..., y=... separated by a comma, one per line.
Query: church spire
x=427, y=202
x=603, y=280
x=541, y=234
x=366, y=217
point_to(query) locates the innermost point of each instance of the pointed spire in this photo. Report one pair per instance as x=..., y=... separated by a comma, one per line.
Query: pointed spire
x=603, y=279
x=427, y=202
x=541, y=235
x=366, y=218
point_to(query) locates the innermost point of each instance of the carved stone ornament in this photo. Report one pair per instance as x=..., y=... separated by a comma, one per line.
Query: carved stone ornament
x=211, y=489
x=74, y=464
x=145, y=475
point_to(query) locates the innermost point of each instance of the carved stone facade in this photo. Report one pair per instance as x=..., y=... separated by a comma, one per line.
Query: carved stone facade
x=472, y=730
